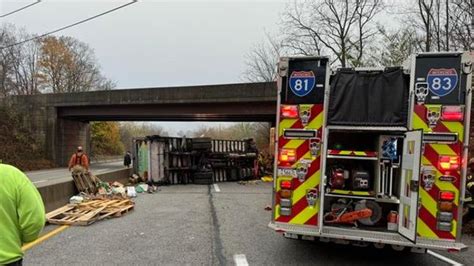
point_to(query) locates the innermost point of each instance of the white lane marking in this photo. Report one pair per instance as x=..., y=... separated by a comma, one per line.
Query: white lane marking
x=40, y=181
x=216, y=188
x=240, y=260
x=443, y=258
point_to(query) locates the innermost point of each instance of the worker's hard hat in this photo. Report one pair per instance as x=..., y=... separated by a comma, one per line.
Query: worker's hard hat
x=79, y=148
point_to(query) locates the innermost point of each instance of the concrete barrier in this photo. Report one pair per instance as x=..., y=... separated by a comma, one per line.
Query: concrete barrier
x=58, y=194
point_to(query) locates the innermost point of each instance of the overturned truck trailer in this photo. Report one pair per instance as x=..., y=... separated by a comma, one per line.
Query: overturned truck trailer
x=174, y=160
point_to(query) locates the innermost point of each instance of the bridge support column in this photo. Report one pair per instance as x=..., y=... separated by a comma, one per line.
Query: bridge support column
x=70, y=134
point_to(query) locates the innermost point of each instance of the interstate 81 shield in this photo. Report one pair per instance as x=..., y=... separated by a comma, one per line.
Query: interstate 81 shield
x=302, y=82
x=305, y=81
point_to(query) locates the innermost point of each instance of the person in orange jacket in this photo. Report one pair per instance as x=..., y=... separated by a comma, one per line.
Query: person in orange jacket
x=79, y=158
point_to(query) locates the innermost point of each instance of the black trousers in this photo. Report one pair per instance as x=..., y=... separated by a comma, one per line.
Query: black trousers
x=16, y=263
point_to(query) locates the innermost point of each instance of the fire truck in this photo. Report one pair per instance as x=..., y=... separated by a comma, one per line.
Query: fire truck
x=373, y=156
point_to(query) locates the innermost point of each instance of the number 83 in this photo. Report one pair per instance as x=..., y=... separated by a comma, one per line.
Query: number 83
x=436, y=85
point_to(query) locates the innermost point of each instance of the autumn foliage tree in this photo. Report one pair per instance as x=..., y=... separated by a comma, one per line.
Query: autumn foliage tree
x=105, y=138
x=69, y=65
x=47, y=65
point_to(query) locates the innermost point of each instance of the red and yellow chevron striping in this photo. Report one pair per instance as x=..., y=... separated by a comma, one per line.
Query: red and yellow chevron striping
x=301, y=211
x=427, y=223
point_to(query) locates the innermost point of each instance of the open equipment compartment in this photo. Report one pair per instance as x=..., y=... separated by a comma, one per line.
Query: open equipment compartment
x=363, y=172
x=367, y=121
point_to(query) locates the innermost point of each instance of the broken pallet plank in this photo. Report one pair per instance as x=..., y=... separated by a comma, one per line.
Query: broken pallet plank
x=59, y=211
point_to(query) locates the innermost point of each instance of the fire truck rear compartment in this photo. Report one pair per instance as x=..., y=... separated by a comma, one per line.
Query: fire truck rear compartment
x=363, y=172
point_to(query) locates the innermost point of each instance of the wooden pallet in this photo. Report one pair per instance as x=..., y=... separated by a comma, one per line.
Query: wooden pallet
x=89, y=212
x=84, y=181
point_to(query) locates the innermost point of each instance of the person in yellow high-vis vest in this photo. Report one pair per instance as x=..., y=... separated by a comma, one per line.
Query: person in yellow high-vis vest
x=22, y=214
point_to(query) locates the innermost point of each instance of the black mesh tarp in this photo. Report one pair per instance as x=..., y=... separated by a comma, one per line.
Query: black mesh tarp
x=372, y=98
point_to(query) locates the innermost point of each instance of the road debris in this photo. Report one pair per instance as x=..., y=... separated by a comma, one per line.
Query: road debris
x=76, y=199
x=250, y=182
x=84, y=180
x=90, y=211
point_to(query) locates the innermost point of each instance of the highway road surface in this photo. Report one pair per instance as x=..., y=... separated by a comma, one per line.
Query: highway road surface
x=41, y=177
x=206, y=225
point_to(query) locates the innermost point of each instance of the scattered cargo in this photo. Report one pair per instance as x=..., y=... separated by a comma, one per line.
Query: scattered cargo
x=84, y=181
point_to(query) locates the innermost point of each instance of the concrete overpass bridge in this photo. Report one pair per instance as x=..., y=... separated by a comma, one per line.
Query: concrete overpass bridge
x=60, y=122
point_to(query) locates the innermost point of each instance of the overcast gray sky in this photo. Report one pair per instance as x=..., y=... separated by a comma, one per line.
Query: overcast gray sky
x=159, y=43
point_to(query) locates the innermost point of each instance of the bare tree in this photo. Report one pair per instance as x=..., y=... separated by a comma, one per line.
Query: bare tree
x=300, y=38
x=130, y=130
x=26, y=69
x=396, y=46
x=444, y=24
x=25, y=59
x=18, y=73
x=6, y=62
x=104, y=84
x=330, y=24
x=460, y=19
x=365, y=13
x=260, y=132
x=425, y=8
x=261, y=61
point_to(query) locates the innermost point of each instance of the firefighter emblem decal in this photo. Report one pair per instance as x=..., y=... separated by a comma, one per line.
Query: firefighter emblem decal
x=314, y=146
x=421, y=91
x=301, y=171
x=433, y=113
x=442, y=81
x=312, y=196
x=302, y=82
x=305, y=113
x=428, y=179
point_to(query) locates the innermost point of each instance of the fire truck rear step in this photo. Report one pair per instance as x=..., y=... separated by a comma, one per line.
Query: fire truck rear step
x=367, y=236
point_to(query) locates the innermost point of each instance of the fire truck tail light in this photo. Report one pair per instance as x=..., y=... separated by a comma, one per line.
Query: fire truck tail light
x=285, y=193
x=448, y=162
x=287, y=155
x=446, y=195
x=452, y=113
x=285, y=184
x=289, y=111
x=445, y=206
